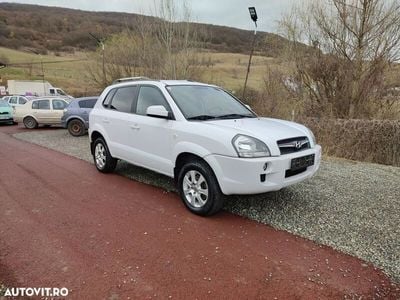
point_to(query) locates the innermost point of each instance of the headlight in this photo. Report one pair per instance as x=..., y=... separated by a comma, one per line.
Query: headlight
x=249, y=147
x=313, y=139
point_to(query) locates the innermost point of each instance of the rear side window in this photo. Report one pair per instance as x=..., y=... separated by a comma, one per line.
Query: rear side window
x=87, y=103
x=123, y=99
x=149, y=96
x=22, y=100
x=59, y=104
x=41, y=104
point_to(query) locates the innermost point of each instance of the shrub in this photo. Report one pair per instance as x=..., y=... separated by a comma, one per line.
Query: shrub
x=376, y=141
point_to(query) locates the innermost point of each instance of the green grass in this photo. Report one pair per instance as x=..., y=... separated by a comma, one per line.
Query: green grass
x=228, y=70
x=61, y=71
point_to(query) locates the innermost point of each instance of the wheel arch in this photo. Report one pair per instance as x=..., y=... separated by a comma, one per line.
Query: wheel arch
x=94, y=136
x=71, y=118
x=188, y=156
x=31, y=116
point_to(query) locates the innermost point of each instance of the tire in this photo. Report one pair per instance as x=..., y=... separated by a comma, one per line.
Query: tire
x=103, y=160
x=76, y=127
x=199, y=189
x=30, y=123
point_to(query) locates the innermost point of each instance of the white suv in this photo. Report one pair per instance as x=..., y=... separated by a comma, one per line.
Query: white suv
x=205, y=138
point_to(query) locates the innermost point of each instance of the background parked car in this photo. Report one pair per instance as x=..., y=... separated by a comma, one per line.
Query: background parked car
x=17, y=100
x=6, y=112
x=68, y=99
x=76, y=115
x=40, y=112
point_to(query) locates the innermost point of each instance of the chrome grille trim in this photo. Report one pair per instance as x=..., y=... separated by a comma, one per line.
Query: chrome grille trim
x=295, y=144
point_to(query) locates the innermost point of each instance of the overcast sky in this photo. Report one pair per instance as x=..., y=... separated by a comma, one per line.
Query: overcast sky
x=232, y=13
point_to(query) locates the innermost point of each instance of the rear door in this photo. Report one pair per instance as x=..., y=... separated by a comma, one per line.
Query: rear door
x=116, y=120
x=21, y=101
x=85, y=106
x=58, y=107
x=42, y=111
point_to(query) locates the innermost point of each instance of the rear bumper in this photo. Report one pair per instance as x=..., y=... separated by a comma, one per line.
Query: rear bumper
x=240, y=176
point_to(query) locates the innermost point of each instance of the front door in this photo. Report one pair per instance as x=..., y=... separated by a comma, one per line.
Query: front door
x=153, y=136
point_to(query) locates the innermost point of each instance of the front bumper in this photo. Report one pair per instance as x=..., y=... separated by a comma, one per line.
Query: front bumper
x=241, y=176
x=6, y=119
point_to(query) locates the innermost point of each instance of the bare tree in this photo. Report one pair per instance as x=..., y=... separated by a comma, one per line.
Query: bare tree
x=162, y=47
x=353, y=43
x=179, y=39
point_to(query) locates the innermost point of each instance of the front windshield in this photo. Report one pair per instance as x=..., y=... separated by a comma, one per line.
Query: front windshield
x=4, y=104
x=61, y=92
x=206, y=103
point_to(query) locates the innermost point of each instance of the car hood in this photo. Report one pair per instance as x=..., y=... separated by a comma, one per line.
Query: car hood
x=264, y=128
x=6, y=109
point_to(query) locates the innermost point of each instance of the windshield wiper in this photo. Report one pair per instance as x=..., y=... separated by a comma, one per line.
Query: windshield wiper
x=201, y=118
x=235, y=116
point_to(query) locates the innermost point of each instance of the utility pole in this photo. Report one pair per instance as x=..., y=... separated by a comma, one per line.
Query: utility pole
x=41, y=62
x=101, y=44
x=254, y=17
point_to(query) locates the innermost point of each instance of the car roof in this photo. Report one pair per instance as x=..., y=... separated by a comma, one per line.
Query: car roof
x=49, y=98
x=86, y=98
x=164, y=83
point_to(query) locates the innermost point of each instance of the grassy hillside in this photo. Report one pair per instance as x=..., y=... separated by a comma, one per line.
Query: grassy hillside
x=61, y=29
x=69, y=71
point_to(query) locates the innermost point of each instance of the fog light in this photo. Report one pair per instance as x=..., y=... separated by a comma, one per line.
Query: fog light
x=263, y=177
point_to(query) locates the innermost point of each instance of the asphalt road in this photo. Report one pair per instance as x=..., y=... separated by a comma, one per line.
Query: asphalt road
x=63, y=224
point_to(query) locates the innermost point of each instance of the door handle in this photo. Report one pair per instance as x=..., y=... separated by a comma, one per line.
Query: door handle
x=135, y=127
x=106, y=121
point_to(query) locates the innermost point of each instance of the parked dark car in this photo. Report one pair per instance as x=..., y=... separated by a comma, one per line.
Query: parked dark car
x=76, y=115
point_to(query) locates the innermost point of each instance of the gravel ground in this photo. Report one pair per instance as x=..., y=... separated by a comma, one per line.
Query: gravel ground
x=352, y=207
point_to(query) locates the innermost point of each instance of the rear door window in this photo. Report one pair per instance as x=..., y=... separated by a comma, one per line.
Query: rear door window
x=124, y=99
x=14, y=100
x=22, y=100
x=87, y=103
x=59, y=104
x=41, y=104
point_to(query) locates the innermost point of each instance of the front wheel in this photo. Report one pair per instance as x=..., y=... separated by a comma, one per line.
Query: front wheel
x=199, y=189
x=103, y=160
x=30, y=123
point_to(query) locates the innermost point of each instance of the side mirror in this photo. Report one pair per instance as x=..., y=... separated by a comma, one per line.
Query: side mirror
x=158, y=111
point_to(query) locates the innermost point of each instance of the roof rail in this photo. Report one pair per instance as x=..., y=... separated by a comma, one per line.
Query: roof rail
x=126, y=79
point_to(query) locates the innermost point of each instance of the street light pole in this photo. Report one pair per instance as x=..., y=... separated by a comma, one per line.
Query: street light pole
x=254, y=17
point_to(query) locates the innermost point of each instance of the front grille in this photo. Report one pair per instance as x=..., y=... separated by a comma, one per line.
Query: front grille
x=293, y=145
x=4, y=113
